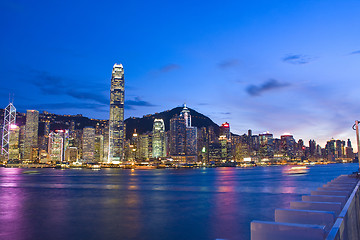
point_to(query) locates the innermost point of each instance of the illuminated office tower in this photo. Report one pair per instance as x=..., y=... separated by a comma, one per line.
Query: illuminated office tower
x=88, y=144
x=22, y=141
x=225, y=130
x=31, y=134
x=191, y=141
x=45, y=137
x=116, y=121
x=190, y=135
x=287, y=145
x=14, y=142
x=71, y=154
x=177, y=136
x=56, y=146
x=99, y=148
x=266, y=148
x=185, y=113
x=9, y=120
x=72, y=151
x=106, y=144
x=144, y=146
x=225, y=151
x=158, y=139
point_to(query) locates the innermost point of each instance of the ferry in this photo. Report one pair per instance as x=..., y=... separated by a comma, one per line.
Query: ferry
x=297, y=170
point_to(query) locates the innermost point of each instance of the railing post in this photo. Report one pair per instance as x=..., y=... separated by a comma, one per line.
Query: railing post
x=357, y=139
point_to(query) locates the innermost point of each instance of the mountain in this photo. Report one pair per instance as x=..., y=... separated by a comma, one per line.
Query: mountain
x=142, y=125
x=145, y=124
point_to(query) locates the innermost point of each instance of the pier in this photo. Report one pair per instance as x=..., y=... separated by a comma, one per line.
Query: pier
x=332, y=212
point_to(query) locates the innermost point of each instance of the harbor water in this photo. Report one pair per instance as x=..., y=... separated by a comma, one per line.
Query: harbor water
x=201, y=203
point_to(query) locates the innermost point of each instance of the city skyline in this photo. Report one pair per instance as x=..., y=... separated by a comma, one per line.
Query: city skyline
x=265, y=66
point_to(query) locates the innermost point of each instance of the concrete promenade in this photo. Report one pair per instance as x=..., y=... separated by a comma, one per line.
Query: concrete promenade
x=332, y=212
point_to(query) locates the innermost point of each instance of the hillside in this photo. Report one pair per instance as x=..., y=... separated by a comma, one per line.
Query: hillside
x=142, y=125
x=145, y=124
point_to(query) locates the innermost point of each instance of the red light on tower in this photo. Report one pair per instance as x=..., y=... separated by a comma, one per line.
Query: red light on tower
x=225, y=125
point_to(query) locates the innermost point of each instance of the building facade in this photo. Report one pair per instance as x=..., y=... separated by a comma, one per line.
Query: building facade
x=158, y=139
x=177, y=135
x=56, y=147
x=31, y=134
x=88, y=144
x=116, y=121
x=14, y=142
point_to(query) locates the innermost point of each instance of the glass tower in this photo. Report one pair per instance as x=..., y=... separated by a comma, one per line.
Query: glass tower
x=116, y=121
x=31, y=133
x=158, y=139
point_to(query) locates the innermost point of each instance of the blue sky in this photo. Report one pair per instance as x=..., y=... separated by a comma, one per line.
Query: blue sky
x=278, y=66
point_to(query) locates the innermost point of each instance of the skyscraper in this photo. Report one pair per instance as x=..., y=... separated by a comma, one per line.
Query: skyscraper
x=9, y=120
x=116, y=121
x=158, y=139
x=177, y=135
x=191, y=141
x=186, y=114
x=88, y=144
x=14, y=142
x=56, y=146
x=31, y=134
x=99, y=148
x=225, y=130
x=144, y=140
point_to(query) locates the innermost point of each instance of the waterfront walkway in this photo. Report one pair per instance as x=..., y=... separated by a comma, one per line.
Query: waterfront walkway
x=332, y=212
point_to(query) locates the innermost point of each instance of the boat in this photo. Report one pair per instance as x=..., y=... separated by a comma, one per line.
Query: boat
x=297, y=170
x=144, y=167
x=30, y=172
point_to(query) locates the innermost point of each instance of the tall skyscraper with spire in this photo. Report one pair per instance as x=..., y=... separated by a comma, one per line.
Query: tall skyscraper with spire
x=116, y=121
x=186, y=114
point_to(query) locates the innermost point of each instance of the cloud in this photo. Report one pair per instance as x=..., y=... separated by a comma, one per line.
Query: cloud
x=297, y=59
x=54, y=85
x=137, y=102
x=65, y=105
x=88, y=96
x=355, y=52
x=270, y=84
x=169, y=67
x=228, y=63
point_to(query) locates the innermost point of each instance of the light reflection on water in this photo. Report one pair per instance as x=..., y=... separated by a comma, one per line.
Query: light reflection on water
x=149, y=204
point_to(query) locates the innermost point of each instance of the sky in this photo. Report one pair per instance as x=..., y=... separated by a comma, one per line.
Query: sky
x=277, y=66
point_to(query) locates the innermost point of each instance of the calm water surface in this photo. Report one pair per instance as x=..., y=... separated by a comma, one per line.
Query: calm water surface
x=216, y=203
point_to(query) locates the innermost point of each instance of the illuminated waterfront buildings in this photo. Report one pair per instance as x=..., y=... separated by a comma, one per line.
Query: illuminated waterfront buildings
x=183, y=143
x=158, y=139
x=116, y=121
x=31, y=135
